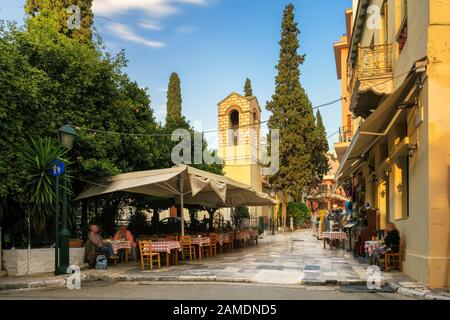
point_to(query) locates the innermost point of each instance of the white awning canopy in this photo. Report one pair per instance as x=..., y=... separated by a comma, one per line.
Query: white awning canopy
x=191, y=185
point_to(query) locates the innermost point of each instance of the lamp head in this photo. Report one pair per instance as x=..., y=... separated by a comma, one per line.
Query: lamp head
x=67, y=136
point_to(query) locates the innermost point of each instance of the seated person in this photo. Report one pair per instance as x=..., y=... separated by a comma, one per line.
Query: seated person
x=98, y=243
x=125, y=235
x=391, y=242
x=392, y=238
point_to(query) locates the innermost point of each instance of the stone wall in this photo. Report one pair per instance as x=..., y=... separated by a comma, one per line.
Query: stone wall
x=15, y=261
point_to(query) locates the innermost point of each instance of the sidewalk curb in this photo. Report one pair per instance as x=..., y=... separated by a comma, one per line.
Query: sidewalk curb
x=417, y=293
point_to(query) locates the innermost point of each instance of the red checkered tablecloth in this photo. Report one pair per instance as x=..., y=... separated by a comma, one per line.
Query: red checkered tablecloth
x=117, y=245
x=371, y=246
x=201, y=241
x=335, y=235
x=165, y=246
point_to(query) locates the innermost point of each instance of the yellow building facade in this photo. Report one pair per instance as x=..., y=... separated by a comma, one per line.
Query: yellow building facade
x=398, y=160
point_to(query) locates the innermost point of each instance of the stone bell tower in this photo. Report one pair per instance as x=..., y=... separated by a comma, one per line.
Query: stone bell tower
x=239, y=125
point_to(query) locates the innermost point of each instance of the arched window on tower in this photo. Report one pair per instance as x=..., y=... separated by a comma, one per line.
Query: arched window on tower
x=234, y=126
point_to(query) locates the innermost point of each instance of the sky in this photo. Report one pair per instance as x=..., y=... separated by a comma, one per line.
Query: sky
x=214, y=45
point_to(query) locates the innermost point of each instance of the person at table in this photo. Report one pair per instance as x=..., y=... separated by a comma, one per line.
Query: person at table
x=392, y=238
x=124, y=234
x=391, y=242
x=101, y=245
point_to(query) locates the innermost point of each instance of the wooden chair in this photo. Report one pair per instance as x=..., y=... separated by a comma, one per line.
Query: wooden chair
x=187, y=248
x=393, y=259
x=213, y=246
x=145, y=248
x=229, y=243
x=172, y=238
x=210, y=250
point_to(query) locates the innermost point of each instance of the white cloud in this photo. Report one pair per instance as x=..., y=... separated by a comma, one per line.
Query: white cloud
x=154, y=8
x=124, y=32
x=150, y=25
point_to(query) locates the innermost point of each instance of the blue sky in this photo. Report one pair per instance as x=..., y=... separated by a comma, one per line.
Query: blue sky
x=214, y=45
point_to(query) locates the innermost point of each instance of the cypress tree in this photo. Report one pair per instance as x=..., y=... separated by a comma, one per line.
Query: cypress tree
x=56, y=12
x=248, y=88
x=292, y=115
x=320, y=152
x=174, y=101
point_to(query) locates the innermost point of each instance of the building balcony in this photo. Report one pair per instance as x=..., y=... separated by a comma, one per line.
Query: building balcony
x=370, y=79
x=345, y=137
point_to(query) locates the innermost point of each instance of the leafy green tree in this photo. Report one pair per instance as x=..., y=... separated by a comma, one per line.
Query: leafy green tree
x=248, y=91
x=299, y=212
x=138, y=224
x=292, y=115
x=174, y=100
x=57, y=13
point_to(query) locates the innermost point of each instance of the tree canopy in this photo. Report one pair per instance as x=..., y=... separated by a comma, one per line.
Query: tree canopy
x=51, y=77
x=73, y=18
x=174, y=100
x=292, y=114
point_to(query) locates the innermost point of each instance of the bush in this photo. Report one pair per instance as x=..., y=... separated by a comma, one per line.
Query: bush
x=299, y=212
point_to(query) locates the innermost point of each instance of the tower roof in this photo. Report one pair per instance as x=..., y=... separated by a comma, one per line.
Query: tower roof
x=252, y=98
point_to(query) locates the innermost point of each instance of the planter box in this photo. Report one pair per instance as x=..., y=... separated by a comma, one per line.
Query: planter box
x=75, y=243
x=15, y=261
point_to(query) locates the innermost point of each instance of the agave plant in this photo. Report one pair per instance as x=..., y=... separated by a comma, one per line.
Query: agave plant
x=39, y=192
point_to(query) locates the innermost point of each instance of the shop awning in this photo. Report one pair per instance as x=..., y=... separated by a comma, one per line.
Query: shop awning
x=199, y=187
x=376, y=126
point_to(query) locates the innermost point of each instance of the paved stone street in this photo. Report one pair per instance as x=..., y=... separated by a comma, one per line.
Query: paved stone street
x=286, y=258
x=196, y=291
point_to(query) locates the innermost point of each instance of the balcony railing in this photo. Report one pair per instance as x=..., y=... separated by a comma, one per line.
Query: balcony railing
x=345, y=134
x=372, y=62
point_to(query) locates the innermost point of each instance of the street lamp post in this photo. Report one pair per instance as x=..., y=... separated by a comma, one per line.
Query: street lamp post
x=67, y=136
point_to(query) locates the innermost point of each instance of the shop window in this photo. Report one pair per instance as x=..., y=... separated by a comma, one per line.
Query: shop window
x=400, y=188
x=402, y=34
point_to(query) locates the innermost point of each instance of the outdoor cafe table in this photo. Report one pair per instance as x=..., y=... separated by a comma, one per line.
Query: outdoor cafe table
x=121, y=245
x=200, y=242
x=334, y=235
x=167, y=247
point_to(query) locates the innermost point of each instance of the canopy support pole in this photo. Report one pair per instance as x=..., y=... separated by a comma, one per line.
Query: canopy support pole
x=182, y=205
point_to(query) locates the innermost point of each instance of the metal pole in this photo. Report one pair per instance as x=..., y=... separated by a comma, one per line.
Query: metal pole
x=57, y=226
x=65, y=234
x=29, y=244
x=182, y=205
x=1, y=260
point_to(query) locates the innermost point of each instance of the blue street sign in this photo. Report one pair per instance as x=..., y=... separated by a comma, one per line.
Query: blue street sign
x=58, y=168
